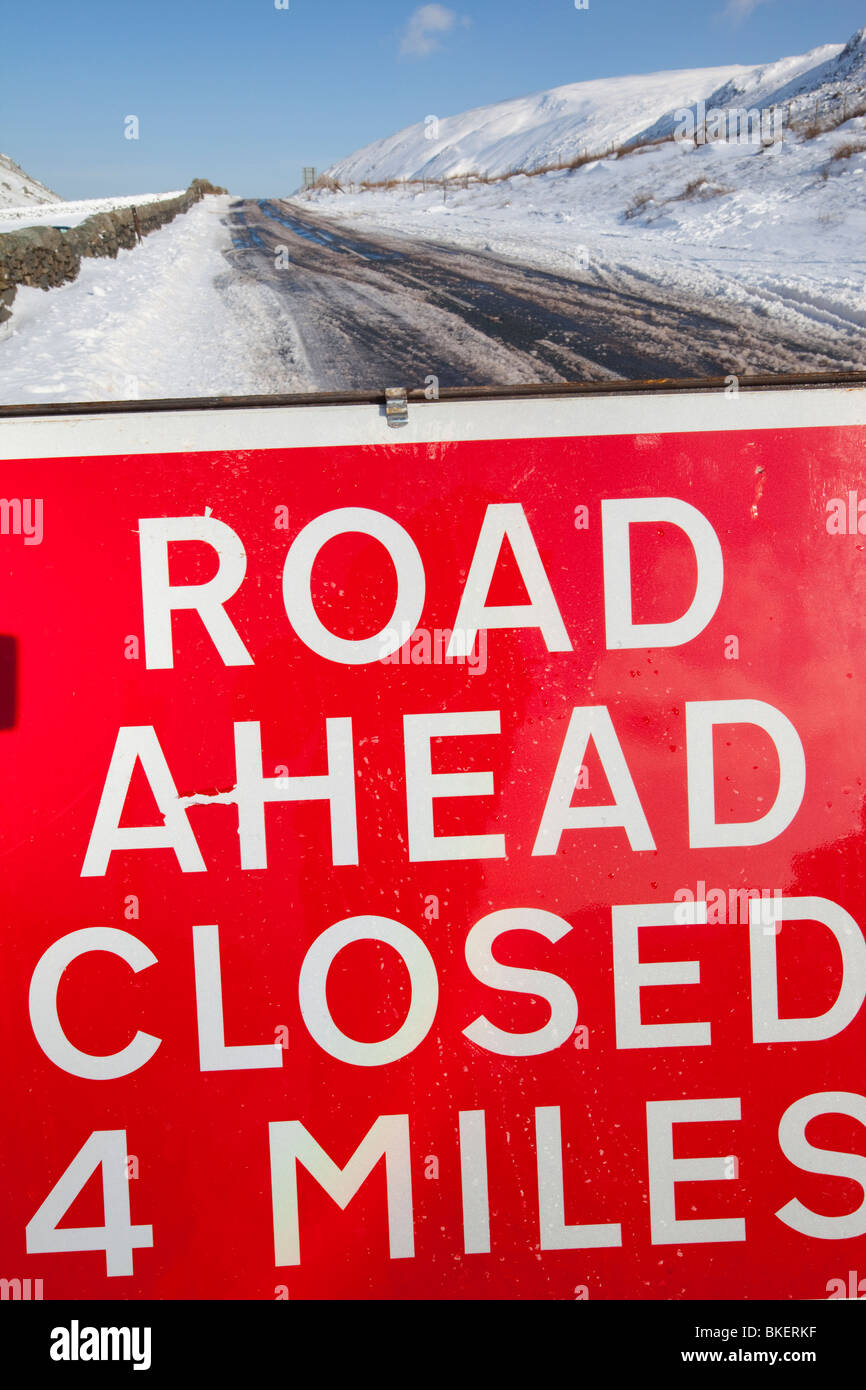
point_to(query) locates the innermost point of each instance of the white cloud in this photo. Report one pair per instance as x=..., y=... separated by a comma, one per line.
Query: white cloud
x=738, y=10
x=426, y=27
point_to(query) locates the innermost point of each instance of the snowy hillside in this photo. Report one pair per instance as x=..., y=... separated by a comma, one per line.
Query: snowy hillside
x=19, y=189
x=563, y=123
x=521, y=133
x=818, y=83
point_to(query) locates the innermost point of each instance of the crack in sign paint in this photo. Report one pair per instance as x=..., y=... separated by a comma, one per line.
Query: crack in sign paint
x=759, y=489
x=214, y=798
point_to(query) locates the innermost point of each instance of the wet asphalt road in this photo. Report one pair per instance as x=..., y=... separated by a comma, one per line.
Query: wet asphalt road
x=353, y=311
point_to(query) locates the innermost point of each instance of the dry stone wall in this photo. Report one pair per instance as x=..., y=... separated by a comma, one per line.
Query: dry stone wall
x=45, y=257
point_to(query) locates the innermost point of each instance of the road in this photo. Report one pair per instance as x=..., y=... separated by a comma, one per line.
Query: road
x=350, y=311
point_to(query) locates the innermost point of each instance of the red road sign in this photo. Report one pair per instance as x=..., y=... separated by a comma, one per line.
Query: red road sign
x=433, y=861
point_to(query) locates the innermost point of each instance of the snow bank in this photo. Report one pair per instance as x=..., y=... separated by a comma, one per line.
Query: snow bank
x=69, y=214
x=158, y=321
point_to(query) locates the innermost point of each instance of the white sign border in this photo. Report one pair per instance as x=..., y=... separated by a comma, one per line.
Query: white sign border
x=232, y=429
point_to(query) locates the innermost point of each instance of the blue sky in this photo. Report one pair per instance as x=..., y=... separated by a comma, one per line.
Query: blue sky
x=245, y=93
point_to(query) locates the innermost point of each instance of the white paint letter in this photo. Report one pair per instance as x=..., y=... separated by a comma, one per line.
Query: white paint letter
x=336, y=786
x=500, y=520
x=554, y=1234
x=139, y=743
x=616, y=517
x=214, y=1055
x=291, y=1145
x=592, y=721
x=473, y=1182
x=767, y=1026
x=701, y=716
x=559, y=995
x=665, y=1171
x=298, y=598
x=423, y=785
x=160, y=598
x=797, y=1149
x=630, y=974
x=313, y=982
x=47, y=1028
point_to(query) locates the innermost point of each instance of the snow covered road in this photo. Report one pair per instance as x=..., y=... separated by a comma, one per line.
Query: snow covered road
x=373, y=309
x=167, y=318
x=267, y=296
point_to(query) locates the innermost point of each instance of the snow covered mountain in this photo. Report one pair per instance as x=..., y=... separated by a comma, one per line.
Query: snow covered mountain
x=816, y=84
x=564, y=122
x=18, y=188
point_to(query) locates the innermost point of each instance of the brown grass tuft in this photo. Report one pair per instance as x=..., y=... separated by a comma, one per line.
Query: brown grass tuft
x=815, y=125
x=846, y=150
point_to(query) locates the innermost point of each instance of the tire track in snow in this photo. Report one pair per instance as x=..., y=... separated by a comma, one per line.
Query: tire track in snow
x=367, y=310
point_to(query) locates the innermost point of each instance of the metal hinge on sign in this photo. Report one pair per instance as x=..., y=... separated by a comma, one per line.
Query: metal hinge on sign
x=396, y=406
